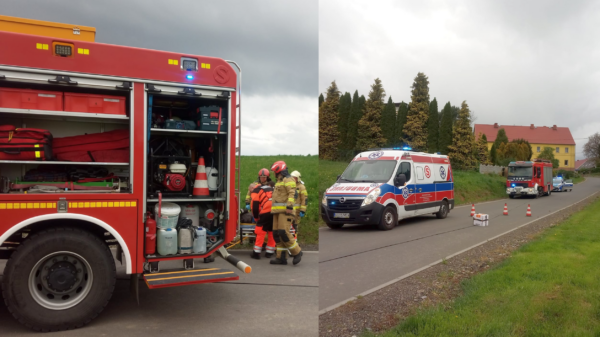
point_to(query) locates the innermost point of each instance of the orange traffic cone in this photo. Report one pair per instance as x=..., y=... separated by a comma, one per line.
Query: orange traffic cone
x=505, y=209
x=201, y=182
x=473, y=210
x=528, y=210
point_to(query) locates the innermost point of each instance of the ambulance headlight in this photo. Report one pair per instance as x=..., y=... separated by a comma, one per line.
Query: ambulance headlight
x=324, y=200
x=372, y=196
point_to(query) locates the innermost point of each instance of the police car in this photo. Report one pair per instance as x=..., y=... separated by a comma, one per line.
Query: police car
x=382, y=186
x=559, y=184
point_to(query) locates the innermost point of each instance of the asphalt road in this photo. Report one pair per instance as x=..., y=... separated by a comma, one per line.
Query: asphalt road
x=271, y=301
x=356, y=259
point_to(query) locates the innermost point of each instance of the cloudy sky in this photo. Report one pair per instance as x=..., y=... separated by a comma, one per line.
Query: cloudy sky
x=275, y=43
x=514, y=62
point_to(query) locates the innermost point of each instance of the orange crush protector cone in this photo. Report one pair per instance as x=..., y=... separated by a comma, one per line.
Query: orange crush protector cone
x=473, y=210
x=528, y=210
x=505, y=209
x=201, y=183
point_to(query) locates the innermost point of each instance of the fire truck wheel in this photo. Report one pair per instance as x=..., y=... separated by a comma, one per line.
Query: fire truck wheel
x=59, y=279
x=335, y=225
x=443, y=212
x=389, y=219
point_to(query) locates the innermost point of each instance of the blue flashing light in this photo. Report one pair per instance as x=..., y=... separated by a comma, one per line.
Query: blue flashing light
x=407, y=148
x=513, y=185
x=189, y=77
x=333, y=202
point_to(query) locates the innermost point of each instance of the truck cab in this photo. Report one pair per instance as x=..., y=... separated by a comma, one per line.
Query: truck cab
x=381, y=186
x=529, y=178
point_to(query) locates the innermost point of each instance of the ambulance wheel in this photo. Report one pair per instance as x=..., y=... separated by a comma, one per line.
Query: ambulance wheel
x=335, y=225
x=389, y=219
x=443, y=212
x=59, y=279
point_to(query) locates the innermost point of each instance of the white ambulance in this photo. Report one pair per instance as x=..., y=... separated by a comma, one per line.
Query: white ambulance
x=382, y=186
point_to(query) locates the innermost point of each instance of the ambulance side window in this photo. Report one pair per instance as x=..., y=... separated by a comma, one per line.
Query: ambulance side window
x=404, y=169
x=420, y=172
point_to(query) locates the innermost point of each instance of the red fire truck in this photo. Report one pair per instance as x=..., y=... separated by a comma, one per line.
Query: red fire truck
x=92, y=137
x=529, y=178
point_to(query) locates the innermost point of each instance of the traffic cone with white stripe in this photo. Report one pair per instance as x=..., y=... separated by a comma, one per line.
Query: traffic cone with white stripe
x=473, y=210
x=528, y=210
x=505, y=209
x=201, y=182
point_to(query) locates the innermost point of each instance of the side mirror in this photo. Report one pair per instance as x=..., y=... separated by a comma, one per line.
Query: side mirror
x=400, y=180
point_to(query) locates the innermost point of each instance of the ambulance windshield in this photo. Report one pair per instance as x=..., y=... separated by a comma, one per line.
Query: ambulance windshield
x=520, y=171
x=377, y=171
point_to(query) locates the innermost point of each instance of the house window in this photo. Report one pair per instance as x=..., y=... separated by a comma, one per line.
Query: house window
x=538, y=149
x=557, y=149
x=566, y=150
x=566, y=163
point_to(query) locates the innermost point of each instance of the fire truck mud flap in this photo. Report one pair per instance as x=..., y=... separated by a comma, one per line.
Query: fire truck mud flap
x=179, y=277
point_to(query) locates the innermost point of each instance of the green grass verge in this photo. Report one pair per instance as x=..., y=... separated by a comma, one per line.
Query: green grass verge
x=308, y=167
x=470, y=187
x=577, y=180
x=549, y=287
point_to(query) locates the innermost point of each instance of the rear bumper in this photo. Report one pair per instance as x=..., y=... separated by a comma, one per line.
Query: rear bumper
x=366, y=215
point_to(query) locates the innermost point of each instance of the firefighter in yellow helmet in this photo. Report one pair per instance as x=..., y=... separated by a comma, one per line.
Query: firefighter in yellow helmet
x=301, y=197
x=282, y=208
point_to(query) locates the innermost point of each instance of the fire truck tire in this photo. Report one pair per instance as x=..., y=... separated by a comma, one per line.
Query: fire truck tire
x=443, y=212
x=59, y=279
x=334, y=225
x=389, y=219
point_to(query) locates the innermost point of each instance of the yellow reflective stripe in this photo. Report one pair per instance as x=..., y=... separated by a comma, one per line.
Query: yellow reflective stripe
x=304, y=192
x=279, y=184
x=296, y=207
x=37, y=153
x=294, y=245
x=303, y=208
x=277, y=207
x=290, y=184
x=291, y=199
x=281, y=248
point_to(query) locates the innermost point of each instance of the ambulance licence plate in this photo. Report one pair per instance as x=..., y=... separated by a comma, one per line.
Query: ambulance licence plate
x=341, y=215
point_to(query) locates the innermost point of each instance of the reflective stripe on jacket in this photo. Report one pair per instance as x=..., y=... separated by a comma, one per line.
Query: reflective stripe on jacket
x=301, y=197
x=283, y=195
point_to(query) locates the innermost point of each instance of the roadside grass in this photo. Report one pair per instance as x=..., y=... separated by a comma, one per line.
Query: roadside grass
x=577, y=180
x=549, y=287
x=470, y=186
x=308, y=167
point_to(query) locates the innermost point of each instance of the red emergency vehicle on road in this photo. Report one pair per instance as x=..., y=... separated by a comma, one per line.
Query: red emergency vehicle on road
x=529, y=178
x=144, y=118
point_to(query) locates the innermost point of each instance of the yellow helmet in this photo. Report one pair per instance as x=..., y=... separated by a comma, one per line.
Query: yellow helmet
x=295, y=174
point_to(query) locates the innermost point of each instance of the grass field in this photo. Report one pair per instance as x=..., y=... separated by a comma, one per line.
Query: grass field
x=470, y=187
x=308, y=167
x=549, y=287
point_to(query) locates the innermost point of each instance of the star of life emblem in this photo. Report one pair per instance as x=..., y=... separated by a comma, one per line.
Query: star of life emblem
x=405, y=193
x=443, y=173
x=376, y=155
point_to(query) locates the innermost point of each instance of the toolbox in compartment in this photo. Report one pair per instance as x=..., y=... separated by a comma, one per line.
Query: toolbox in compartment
x=209, y=118
x=25, y=143
x=107, y=147
x=101, y=104
x=31, y=99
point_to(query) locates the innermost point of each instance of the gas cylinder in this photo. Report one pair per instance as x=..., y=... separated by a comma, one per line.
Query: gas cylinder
x=150, y=235
x=199, y=241
x=167, y=241
x=213, y=179
x=192, y=212
x=185, y=240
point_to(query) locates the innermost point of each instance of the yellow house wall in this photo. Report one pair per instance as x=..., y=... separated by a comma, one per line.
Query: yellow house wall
x=562, y=154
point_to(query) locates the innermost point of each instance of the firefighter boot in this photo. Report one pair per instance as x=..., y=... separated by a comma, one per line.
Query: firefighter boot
x=280, y=260
x=255, y=255
x=297, y=258
x=268, y=255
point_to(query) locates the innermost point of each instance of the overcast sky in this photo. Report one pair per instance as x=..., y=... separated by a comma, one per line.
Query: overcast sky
x=275, y=43
x=514, y=62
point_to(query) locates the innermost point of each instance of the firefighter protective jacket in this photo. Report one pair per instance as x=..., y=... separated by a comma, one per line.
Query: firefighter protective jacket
x=283, y=195
x=261, y=200
x=301, y=197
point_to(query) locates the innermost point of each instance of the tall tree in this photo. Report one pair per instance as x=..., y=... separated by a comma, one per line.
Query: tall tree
x=369, y=131
x=321, y=100
x=415, y=128
x=494, y=155
x=482, y=149
x=461, y=150
x=445, y=134
x=433, y=127
x=591, y=149
x=328, y=120
x=388, y=122
x=344, y=115
x=500, y=138
x=355, y=115
x=400, y=121
x=548, y=154
x=525, y=149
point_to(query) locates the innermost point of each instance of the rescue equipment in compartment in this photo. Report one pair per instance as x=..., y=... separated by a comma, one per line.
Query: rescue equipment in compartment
x=185, y=239
x=201, y=183
x=192, y=212
x=175, y=179
x=169, y=166
x=150, y=235
x=167, y=241
x=199, y=246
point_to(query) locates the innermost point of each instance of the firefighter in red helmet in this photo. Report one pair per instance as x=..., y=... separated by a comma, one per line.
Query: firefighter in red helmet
x=282, y=208
x=261, y=211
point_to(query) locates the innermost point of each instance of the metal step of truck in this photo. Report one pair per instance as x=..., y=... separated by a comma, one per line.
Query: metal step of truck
x=179, y=277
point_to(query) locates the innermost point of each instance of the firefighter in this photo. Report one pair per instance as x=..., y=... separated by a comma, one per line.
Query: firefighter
x=283, y=213
x=261, y=211
x=301, y=197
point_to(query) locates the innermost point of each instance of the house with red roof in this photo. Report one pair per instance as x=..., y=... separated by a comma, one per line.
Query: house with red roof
x=585, y=163
x=558, y=138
